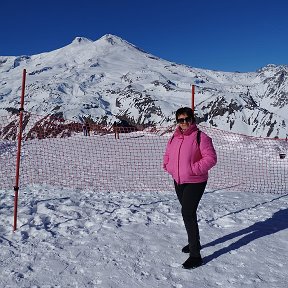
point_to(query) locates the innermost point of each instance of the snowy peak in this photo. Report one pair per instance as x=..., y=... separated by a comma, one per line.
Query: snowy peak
x=273, y=67
x=111, y=39
x=81, y=40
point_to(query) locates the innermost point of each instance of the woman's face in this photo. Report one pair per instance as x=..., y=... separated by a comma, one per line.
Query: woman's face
x=184, y=121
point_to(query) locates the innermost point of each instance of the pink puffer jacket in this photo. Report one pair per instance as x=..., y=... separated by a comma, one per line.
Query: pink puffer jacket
x=185, y=160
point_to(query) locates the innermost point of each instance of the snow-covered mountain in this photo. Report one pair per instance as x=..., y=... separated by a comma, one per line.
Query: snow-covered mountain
x=111, y=79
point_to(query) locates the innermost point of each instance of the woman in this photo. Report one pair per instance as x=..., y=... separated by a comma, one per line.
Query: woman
x=188, y=160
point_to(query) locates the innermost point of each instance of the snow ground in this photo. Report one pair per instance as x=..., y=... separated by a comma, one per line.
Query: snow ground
x=76, y=238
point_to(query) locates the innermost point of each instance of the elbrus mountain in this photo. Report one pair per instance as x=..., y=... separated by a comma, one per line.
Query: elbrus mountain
x=112, y=80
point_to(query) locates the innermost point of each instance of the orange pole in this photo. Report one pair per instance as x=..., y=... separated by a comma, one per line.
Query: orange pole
x=193, y=97
x=16, y=187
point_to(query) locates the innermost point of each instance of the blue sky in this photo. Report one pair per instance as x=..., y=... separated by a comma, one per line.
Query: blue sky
x=225, y=35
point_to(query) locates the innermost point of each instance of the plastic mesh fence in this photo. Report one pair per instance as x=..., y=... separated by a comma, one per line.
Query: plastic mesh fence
x=57, y=152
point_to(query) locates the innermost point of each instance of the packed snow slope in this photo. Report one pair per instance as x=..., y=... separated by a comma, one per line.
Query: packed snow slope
x=72, y=238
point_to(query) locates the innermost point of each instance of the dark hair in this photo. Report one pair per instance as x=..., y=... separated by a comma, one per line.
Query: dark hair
x=186, y=110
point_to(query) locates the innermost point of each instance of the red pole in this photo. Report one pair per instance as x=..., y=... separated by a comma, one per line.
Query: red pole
x=16, y=187
x=193, y=97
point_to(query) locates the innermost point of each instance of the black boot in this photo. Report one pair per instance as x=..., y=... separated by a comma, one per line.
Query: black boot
x=186, y=249
x=192, y=262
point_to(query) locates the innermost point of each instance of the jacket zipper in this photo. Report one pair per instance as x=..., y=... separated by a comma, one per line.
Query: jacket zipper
x=179, y=159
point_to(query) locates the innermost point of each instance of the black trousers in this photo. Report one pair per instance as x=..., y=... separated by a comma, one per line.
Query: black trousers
x=189, y=196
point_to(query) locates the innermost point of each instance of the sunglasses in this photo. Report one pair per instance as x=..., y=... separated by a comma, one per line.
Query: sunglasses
x=182, y=120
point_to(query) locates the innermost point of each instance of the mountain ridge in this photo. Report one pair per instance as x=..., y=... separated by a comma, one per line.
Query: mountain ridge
x=111, y=80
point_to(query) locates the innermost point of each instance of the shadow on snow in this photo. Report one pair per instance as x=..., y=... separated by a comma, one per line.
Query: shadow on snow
x=276, y=223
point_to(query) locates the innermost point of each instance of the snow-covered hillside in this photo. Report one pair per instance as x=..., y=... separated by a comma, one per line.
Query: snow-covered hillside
x=111, y=79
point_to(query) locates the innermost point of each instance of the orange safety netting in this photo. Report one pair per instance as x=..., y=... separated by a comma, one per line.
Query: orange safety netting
x=61, y=153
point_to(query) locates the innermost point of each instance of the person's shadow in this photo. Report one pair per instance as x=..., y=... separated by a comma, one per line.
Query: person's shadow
x=278, y=222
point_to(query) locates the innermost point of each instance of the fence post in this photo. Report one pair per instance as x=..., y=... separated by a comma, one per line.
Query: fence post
x=193, y=97
x=16, y=187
